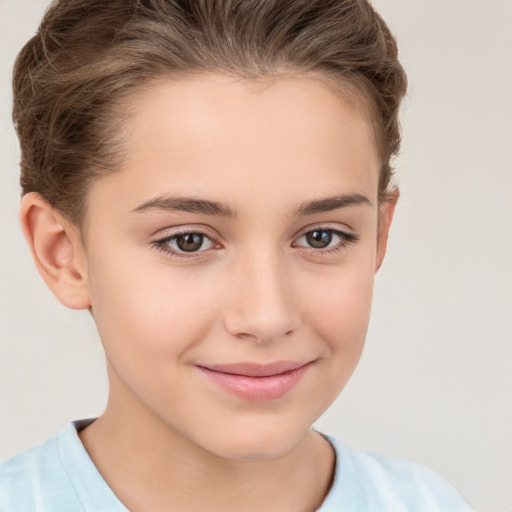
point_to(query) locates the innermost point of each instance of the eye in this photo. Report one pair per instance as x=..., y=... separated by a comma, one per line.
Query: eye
x=183, y=242
x=189, y=242
x=323, y=238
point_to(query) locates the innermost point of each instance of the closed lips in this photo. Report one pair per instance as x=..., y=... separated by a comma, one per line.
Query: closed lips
x=256, y=382
x=255, y=369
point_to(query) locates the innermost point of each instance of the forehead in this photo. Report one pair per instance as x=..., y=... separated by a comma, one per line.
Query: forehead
x=213, y=135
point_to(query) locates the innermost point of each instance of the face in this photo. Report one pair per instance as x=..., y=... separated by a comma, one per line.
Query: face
x=230, y=263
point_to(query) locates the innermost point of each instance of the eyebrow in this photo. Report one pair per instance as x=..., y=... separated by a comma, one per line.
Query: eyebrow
x=206, y=207
x=189, y=204
x=332, y=203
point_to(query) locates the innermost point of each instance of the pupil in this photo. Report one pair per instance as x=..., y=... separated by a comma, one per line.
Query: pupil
x=189, y=242
x=319, y=239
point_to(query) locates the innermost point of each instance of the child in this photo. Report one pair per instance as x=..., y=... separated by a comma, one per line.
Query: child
x=212, y=181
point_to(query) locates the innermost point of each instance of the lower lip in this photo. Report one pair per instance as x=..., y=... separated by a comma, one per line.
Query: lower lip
x=257, y=389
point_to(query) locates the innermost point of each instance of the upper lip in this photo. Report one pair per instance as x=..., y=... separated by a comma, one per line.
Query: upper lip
x=256, y=369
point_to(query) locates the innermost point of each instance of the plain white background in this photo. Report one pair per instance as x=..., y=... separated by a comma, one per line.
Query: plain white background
x=435, y=381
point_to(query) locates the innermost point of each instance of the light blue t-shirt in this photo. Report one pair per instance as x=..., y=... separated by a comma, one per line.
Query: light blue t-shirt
x=59, y=476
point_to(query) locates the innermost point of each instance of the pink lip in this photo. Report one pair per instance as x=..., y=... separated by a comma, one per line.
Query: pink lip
x=255, y=381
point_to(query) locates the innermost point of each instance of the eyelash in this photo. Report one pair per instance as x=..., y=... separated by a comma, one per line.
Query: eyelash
x=162, y=244
x=347, y=239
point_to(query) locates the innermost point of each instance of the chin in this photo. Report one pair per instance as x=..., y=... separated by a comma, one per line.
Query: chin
x=253, y=444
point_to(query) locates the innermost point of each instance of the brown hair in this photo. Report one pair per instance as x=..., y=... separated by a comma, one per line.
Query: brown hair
x=88, y=56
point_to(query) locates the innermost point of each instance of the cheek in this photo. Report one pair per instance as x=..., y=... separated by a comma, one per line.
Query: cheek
x=149, y=311
x=339, y=307
x=337, y=315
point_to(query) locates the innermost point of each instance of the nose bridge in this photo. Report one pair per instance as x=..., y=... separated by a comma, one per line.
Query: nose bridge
x=263, y=303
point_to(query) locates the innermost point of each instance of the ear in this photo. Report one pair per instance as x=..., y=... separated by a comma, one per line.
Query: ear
x=57, y=250
x=386, y=212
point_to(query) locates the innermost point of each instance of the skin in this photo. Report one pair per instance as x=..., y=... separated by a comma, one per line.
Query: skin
x=258, y=292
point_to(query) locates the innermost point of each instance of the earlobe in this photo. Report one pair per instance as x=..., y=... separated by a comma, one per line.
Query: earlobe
x=386, y=212
x=56, y=248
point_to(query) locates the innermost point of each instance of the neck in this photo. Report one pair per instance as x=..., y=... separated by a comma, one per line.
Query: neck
x=148, y=466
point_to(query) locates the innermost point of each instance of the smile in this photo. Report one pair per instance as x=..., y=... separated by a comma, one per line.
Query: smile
x=256, y=382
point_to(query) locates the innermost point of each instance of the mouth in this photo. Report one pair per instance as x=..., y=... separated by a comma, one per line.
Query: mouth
x=257, y=382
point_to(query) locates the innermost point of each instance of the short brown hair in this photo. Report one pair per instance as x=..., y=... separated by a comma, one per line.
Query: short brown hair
x=89, y=55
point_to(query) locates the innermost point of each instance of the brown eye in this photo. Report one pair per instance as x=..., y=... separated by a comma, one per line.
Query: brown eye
x=189, y=242
x=326, y=239
x=319, y=239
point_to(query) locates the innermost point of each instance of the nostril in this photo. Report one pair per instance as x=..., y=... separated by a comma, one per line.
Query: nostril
x=245, y=335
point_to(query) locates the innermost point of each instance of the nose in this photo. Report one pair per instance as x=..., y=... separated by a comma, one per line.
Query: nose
x=263, y=303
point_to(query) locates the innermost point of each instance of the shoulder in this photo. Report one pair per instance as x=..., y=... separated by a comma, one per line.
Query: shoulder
x=367, y=481
x=56, y=476
x=35, y=479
